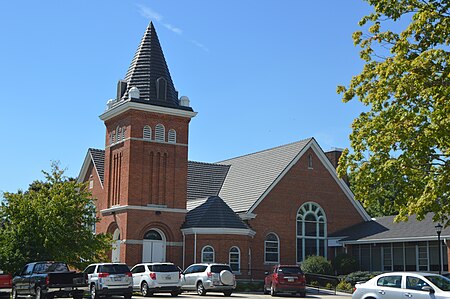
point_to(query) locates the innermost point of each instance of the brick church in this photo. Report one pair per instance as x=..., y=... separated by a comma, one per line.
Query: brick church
x=278, y=205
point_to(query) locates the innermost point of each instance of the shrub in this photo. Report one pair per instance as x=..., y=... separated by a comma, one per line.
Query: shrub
x=329, y=286
x=354, y=277
x=345, y=264
x=317, y=265
x=344, y=286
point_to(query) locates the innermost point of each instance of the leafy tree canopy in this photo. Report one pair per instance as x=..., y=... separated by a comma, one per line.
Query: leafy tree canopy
x=52, y=220
x=403, y=139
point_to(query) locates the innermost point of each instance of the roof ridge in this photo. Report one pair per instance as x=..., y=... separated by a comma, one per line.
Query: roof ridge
x=206, y=163
x=95, y=149
x=267, y=149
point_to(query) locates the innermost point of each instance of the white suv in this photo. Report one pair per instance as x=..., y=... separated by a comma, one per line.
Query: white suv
x=208, y=278
x=150, y=278
x=109, y=279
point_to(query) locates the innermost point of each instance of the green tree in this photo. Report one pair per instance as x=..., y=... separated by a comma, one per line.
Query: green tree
x=52, y=220
x=402, y=141
x=316, y=264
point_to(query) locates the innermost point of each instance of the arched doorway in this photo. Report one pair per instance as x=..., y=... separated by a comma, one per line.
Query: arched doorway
x=115, y=255
x=154, y=246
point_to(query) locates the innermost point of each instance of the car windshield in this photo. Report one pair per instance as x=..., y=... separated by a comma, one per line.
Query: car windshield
x=219, y=268
x=164, y=268
x=440, y=281
x=114, y=269
x=290, y=270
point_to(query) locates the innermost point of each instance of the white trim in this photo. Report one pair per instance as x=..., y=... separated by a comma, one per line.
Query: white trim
x=246, y=216
x=140, y=242
x=219, y=231
x=127, y=105
x=323, y=158
x=391, y=240
x=145, y=140
x=142, y=208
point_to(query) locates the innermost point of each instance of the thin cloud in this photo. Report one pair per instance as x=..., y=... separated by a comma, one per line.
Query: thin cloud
x=149, y=13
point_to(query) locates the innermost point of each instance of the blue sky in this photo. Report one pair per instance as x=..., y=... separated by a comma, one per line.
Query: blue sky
x=260, y=73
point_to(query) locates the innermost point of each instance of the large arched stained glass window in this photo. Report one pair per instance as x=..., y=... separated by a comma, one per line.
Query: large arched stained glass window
x=311, y=231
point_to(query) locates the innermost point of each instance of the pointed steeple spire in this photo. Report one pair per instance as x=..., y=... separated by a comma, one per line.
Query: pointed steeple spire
x=148, y=72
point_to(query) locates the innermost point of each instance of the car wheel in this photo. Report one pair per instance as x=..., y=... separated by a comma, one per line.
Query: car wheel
x=272, y=291
x=174, y=294
x=93, y=292
x=227, y=293
x=144, y=289
x=127, y=296
x=303, y=294
x=265, y=290
x=14, y=292
x=201, y=289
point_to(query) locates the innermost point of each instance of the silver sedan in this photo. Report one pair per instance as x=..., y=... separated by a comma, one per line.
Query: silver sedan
x=404, y=285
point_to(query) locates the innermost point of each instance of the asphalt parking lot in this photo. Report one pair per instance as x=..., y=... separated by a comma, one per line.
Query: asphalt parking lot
x=313, y=294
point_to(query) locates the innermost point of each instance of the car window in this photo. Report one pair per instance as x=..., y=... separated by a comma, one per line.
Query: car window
x=165, y=268
x=138, y=269
x=440, y=281
x=219, y=268
x=114, y=269
x=27, y=270
x=50, y=267
x=200, y=268
x=189, y=270
x=415, y=283
x=393, y=281
x=89, y=270
x=290, y=270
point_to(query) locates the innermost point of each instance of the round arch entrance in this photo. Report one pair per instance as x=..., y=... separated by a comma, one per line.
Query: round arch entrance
x=115, y=254
x=154, y=246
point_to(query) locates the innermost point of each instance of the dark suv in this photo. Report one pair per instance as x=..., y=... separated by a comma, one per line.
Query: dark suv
x=285, y=279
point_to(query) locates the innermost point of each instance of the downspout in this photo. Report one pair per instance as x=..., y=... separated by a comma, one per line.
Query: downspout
x=195, y=248
x=184, y=249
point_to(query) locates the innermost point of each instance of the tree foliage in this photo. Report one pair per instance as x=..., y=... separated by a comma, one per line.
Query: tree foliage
x=400, y=160
x=52, y=220
x=316, y=264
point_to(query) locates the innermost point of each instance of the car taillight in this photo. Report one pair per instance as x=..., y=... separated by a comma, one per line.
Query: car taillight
x=47, y=280
x=302, y=279
x=354, y=289
x=209, y=274
x=153, y=276
x=103, y=274
x=129, y=274
x=275, y=277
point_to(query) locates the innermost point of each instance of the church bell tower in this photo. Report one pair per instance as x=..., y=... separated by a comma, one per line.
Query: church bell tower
x=146, y=160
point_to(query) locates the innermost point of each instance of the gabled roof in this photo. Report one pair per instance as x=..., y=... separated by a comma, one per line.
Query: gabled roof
x=146, y=67
x=97, y=158
x=251, y=175
x=205, y=179
x=383, y=229
x=213, y=213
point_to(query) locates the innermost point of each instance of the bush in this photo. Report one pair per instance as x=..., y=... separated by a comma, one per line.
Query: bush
x=345, y=264
x=344, y=286
x=354, y=277
x=249, y=286
x=317, y=265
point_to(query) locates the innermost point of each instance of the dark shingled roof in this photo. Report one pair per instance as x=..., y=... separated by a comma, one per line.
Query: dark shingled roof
x=384, y=229
x=146, y=67
x=213, y=213
x=98, y=158
x=205, y=179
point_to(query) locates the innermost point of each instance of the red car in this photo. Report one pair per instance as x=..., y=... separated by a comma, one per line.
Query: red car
x=285, y=279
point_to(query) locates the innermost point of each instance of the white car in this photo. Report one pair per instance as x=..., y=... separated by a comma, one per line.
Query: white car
x=208, y=278
x=150, y=278
x=398, y=285
x=106, y=279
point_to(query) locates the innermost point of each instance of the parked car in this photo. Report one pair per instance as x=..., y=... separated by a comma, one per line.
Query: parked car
x=106, y=279
x=47, y=280
x=150, y=278
x=5, y=284
x=414, y=285
x=208, y=278
x=285, y=279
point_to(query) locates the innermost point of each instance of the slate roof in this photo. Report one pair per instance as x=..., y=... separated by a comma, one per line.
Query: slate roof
x=146, y=67
x=205, y=179
x=213, y=213
x=251, y=175
x=98, y=158
x=384, y=229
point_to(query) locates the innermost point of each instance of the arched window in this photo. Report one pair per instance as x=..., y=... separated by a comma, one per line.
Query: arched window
x=235, y=259
x=161, y=88
x=310, y=161
x=147, y=133
x=153, y=235
x=172, y=138
x=208, y=254
x=311, y=231
x=271, y=249
x=111, y=137
x=115, y=255
x=160, y=133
